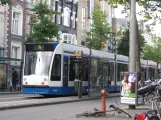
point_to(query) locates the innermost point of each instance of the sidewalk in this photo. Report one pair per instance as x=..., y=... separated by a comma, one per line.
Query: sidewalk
x=9, y=90
x=48, y=101
x=4, y=92
x=132, y=112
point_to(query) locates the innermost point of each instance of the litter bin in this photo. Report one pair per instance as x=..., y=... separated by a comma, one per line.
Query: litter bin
x=78, y=87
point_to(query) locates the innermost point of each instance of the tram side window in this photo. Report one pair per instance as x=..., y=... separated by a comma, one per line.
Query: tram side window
x=121, y=68
x=56, y=68
x=72, y=70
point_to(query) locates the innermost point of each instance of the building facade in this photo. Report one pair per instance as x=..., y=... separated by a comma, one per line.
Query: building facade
x=3, y=30
x=12, y=33
x=67, y=21
x=85, y=22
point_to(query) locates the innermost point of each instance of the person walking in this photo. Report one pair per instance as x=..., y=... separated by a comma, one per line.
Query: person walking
x=14, y=78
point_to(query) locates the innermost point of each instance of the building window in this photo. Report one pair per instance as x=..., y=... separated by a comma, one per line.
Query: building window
x=69, y=38
x=73, y=21
x=67, y=16
x=65, y=38
x=17, y=20
x=59, y=16
x=15, y=52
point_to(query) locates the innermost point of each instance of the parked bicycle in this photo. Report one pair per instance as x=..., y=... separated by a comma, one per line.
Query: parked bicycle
x=148, y=92
x=154, y=114
x=97, y=112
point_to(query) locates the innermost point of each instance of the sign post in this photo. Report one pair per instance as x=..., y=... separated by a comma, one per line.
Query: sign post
x=77, y=81
x=129, y=89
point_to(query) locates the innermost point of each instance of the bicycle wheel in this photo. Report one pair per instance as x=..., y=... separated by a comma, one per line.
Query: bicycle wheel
x=125, y=113
x=150, y=97
x=154, y=118
x=119, y=110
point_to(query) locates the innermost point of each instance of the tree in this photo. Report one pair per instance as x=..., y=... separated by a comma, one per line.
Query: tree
x=127, y=5
x=151, y=7
x=43, y=29
x=4, y=2
x=152, y=52
x=100, y=31
x=123, y=44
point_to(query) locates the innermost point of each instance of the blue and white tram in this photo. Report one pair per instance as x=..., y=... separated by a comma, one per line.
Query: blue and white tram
x=49, y=68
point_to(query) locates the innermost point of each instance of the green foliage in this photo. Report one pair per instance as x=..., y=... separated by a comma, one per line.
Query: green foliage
x=43, y=29
x=123, y=44
x=100, y=31
x=153, y=52
x=151, y=7
x=4, y=2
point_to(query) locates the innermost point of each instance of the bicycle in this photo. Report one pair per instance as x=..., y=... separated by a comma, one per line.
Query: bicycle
x=154, y=114
x=97, y=112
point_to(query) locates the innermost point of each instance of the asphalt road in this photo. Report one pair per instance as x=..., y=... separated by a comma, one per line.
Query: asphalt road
x=65, y=111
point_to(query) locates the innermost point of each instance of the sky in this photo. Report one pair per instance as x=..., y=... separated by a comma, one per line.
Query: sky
x=118, y=14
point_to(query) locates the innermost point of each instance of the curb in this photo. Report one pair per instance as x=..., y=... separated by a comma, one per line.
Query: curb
x=7, y=93
x=52, y=102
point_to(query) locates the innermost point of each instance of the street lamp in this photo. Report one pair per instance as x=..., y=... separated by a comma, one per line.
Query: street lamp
x=133, y=38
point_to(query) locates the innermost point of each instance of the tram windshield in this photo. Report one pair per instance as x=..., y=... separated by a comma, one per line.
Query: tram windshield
x=37, y=63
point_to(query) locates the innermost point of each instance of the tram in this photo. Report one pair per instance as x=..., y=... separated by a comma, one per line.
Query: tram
x=49, y=69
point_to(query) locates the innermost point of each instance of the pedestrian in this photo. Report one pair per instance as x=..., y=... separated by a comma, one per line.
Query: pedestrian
x=14, y=78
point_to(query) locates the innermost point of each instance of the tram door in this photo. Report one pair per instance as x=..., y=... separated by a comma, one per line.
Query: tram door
x=106, y=81
x=65, y=72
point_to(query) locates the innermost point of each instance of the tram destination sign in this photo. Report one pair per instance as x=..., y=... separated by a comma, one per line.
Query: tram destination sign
x=39, y=47
x=78, y=53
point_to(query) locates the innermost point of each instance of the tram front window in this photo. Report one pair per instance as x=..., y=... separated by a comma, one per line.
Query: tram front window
x=37, y=63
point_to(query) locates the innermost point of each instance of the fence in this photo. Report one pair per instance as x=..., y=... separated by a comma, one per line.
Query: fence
x=6, y=65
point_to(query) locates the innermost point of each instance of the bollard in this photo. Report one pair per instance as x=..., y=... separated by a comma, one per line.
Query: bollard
x=103, y=102
x=80, y=89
